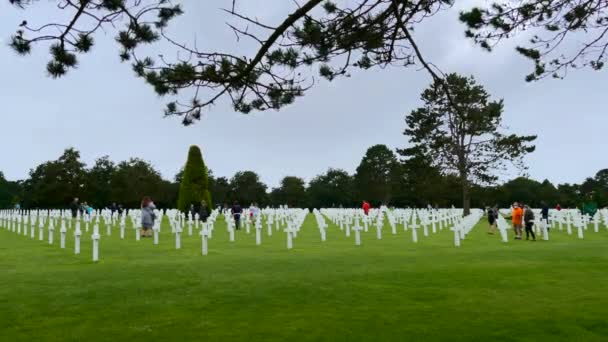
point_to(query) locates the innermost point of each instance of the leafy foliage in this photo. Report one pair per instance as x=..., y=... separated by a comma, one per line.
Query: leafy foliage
x=247, y=188
x=377, y=175
x=332, y=189
x=554, y=23
x=291, y=192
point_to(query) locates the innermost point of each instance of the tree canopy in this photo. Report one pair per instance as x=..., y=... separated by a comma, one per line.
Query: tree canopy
x=329, y=37
x=376, y=175
x=463, y=135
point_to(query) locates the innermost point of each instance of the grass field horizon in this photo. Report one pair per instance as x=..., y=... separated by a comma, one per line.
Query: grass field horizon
x=385, y=290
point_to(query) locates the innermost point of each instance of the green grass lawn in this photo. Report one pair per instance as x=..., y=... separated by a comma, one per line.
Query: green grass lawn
x=388, y=290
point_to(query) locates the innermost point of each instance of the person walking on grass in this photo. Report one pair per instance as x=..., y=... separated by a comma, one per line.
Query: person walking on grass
x=147, y=216
x=492, y=217
x=74, y=207
x=517, y=220
x=366, y=208
x=203, y=211
x=236, y=214
x=545, y=214
x=529, y=220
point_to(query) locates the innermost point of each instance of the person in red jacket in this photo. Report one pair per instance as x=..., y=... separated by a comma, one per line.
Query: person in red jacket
x=366, y=207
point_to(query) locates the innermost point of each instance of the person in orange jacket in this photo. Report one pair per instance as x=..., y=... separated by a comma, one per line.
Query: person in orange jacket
x=517, y=217
x=366, y=207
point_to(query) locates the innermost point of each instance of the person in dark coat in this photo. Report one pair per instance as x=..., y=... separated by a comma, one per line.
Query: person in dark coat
x=236, y=213
x=74, y=206
x=529, y=222
x=203, y=211
x=545, y=213
x=492, y=217
x=192, y=212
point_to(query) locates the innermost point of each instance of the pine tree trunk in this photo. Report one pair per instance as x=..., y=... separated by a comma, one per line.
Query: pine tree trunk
x=466, y=200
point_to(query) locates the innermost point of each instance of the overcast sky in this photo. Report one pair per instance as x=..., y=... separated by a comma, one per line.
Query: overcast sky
x=102, y=109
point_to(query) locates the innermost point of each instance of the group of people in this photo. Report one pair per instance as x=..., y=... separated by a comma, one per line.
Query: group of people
x=83, y=208
x=522, y=216
x=201, y=209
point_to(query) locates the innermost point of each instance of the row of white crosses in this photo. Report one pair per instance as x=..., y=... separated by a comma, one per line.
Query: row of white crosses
x=412, y=219
x=24, y=221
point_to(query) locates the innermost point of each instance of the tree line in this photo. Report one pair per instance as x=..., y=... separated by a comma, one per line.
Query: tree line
x=382, y=177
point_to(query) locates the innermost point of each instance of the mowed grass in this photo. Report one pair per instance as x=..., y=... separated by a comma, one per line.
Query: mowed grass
x=384, y=290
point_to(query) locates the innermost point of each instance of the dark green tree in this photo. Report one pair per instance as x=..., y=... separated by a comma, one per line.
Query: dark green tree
x=55, y=183
x=219, y=188
x=10, y=192
x=291, y=192
x=376, y=175
x=522, y=190
x=569, y=195
x=247, y=188
x=134, y=179
x=194, y=185
x=462, y=136
x=331, y=189
x=97, y=190
x=601, y=191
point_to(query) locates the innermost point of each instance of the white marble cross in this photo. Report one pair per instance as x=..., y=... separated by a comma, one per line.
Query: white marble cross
x=77, y=234
x=63, y=231
x=204, y=237
x=51, y=229
x=357, y=230
x=258, y=232
x=95, y=238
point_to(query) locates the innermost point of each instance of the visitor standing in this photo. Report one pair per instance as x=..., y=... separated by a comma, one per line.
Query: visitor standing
x=517, y=220
x=255, y=212
x=558, y=207
x=492, y=217
x=147, y=216
x=545, y=213
x=203, y=212
x=366, y=207
x=192, y=212
x=74, y=207
x=529, y=220
x=236, y=214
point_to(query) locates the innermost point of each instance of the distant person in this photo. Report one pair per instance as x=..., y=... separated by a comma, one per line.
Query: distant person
x=88, y=209
x=558, y=207
x=529, y=220
x=203, y=211
x=254, y=211
x=113, y=208
x=236, y=214
x=81, y=208
x=366, y=207
x=147, y=216
x=517, y=214
x=192, y=212
x=74, y=206
x=544, y=212
x=120, y=209
x=492, y=217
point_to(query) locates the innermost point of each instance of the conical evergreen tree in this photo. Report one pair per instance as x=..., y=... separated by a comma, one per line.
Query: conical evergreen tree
x=194, y=186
